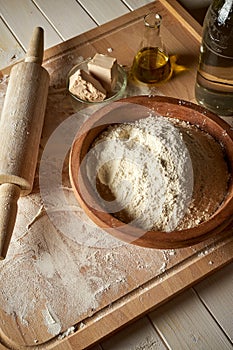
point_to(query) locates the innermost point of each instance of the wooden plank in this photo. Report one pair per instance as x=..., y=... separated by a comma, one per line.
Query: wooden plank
x=135, y=4
x=65, y=345
x=22, y=22
x=69, y=22
x=102, y=11
x=185, y=323
x=73, y=283
x=140, y=335
x=10, y=50
x=189, y=23
x=2, y=347
x=145, y=298
x=216, y=292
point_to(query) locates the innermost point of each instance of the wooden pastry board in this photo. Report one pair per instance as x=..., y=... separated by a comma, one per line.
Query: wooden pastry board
x=66, y=284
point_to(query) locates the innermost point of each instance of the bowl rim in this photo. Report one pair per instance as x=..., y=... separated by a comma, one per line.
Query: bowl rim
x=220, y=220
x=106, y=100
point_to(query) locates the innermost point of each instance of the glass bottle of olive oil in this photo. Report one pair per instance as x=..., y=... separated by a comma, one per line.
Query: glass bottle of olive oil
x=151, y=64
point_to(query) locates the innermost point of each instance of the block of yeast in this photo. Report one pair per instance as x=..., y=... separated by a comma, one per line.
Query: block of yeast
x=86, y=87
x=104, y=68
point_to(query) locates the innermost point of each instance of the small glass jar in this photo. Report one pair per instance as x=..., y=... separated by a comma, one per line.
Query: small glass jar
x=151, y=65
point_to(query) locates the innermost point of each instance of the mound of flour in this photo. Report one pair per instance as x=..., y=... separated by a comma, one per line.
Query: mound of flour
x=144, y=173
x=158, y=173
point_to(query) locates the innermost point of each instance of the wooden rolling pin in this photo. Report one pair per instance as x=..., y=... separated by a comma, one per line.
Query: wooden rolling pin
x=20, y=132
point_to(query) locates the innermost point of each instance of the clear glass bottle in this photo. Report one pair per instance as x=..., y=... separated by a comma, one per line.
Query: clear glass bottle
x=151, y=64
x=214, y=83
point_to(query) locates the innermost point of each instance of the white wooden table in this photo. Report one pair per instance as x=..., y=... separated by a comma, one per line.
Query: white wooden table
x=200, y=318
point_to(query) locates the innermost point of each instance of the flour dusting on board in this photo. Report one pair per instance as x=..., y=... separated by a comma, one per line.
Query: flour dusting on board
x=51, y=320
x=51, y=281
x=48, y=280
x=45, y=265
x=65, y=281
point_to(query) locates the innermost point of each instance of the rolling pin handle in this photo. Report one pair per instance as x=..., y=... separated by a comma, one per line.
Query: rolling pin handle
x=35, y=50
x=9, y=195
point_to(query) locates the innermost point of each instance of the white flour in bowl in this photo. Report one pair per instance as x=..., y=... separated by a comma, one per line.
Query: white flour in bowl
x=145, y=173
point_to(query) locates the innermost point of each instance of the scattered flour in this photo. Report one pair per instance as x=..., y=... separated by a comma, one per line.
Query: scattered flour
x=51, y=320
x=68, y=332
x=45, y=265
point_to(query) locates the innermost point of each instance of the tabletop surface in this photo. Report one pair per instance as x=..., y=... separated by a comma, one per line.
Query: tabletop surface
x=200, y=317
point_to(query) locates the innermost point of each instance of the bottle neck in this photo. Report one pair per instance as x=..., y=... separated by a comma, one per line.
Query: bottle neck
x=224, y=11
x=218, y=28
x=151, y=37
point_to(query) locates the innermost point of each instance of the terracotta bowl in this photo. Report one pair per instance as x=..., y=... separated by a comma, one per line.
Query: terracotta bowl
x=131, y=109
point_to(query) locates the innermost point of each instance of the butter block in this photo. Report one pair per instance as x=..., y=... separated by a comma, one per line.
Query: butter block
x=86, y=87
x=104, y=68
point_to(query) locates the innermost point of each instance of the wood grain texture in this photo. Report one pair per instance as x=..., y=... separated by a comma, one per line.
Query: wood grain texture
x=134, y=4
x=140, y=335
x=21, y=125
x=69, y=22
x=9, y=195
x=140, y=279
x=101, y=10
x=182, y=16
x=10, y=49
x=185, y=323
x=216, y=293
x=2, y=347
x=175, y=32
x=31, y=17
